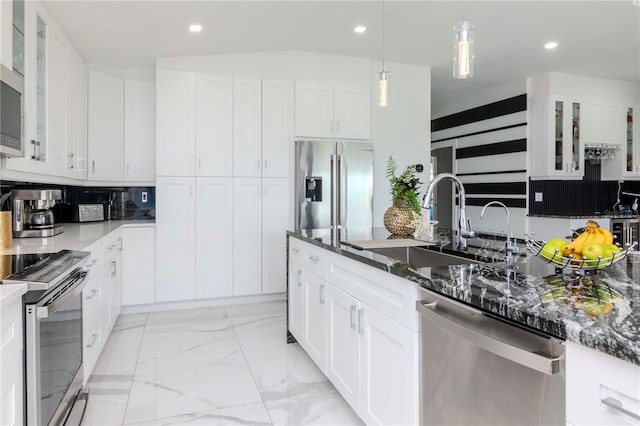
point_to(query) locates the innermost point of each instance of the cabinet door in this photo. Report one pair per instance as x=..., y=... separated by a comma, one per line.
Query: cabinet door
x=247, y=133
x=352, y=112
x=316, y=325
x=214, y=125
x=106, y=313
x=592, y=122
x=247, y=247
x=275, y=221
x=74, y=69
x=138, y=265
x=139, y=131
x=175, y=123
x=214, y=237
x=116, y=288
x=314, y=110
x=277, y=120
x=175, y=239
x=106, y=127
x=11, y=392
x=388, y=395
x=56, y=104
x=297, y=310
x=343, y=345
x=615, y=118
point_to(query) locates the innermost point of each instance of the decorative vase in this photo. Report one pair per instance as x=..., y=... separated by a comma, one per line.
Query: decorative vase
x=398, y=218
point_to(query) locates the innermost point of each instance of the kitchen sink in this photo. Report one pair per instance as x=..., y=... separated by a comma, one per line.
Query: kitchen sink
x=419, y=257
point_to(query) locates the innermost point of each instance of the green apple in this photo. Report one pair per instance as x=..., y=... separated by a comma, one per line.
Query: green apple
x=557, y=242
x=611, y=253
x=549, y=250
x=592, y=252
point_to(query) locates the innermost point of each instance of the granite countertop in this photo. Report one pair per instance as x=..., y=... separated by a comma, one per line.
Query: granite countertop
x=75, y=236
x=535, y=295
x=583, y=216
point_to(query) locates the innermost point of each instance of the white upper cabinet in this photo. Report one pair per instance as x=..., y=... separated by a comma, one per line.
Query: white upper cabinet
x=352, y=112
x=139, y=131
x=75, y=160
x=247, y=124
x=56, y=97
x=592, y=122
x=214, y=125
x=314, y=110
x=327, y=111
x=277, y=129
x=175, y=123
x=105, y=127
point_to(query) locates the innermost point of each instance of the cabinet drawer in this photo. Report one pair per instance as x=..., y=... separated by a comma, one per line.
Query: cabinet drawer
x=311, y=258
x=11, y=331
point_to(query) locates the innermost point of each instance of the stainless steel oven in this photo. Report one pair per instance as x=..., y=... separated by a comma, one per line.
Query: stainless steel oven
x=53, y=334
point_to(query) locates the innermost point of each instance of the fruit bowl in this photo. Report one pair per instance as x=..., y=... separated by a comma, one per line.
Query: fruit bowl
x=572, y=262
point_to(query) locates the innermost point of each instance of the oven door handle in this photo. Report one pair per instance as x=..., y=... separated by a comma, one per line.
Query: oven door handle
x=78, y=282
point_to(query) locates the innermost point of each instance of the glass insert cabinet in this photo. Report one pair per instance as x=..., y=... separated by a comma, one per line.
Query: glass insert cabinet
x=568, y=155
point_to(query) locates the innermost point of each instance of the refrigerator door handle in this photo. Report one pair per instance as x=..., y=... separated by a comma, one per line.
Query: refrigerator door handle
x=341, y=192
x=334, y=177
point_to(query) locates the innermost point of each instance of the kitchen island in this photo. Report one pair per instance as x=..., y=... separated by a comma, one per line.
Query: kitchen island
x=533, y=296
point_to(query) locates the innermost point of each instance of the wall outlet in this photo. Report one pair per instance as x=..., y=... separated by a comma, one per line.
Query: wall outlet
x=144, y=197
x=538, y=197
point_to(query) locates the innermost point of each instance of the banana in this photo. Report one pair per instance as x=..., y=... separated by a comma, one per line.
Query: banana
x=590, y=235
x=608, y=236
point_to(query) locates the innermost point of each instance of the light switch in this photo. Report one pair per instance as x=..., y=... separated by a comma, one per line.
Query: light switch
x=144, y=197
x=538, y=196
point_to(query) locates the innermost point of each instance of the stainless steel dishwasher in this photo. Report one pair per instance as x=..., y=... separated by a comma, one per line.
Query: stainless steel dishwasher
x=479, y=370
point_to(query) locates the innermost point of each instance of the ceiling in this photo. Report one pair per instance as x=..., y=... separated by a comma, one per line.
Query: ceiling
x=597, y=38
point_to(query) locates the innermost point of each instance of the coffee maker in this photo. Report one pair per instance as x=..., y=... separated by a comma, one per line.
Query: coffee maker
x=33, y=212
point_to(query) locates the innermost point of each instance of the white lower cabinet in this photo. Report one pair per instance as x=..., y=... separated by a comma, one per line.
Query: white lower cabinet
x=11, y=369
x=601, y=389
x=138, y=265
x=369, y=355
x=247, y=236
x=275, y=221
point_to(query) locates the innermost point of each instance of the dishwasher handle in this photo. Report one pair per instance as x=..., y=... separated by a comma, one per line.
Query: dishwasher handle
x=535, y=361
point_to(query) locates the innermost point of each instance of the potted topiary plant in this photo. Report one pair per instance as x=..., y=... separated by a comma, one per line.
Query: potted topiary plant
x=404, y=195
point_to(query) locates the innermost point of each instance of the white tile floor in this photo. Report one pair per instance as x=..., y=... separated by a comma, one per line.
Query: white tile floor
x=212, y=366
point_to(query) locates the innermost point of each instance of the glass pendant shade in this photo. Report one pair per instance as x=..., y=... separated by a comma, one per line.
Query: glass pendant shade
x=383, y=87
x=463, y=51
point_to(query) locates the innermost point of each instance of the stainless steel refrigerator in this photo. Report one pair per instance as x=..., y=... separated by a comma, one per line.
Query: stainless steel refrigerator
x=333, y=185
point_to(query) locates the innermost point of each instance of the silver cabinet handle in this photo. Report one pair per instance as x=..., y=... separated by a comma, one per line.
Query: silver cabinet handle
x=337, y=126
x=93, y=340
x=199, y=163
x=93, y=166
x=322, y=294
x=71, y=161
x=360, y=321
x=128, y=168
x=299, y=278
x=35, y=154
x=91, y=296
x=473, y=334
x=120, y=244
x=617, y=405
x=111, y=247
x=266, y=164
x=295, y=249
x=113, y=268
x=39, y=155
x=352, y=316
x=313, y=258
x=258, y=162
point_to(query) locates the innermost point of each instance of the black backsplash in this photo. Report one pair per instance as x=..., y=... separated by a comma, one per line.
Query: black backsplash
x=126, y=201
x=579, y=197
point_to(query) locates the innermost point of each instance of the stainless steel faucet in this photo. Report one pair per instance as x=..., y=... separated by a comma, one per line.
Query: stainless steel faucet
x=510, y=246
x=464, y=226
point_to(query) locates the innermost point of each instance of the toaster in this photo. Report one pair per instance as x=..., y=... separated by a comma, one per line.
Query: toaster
x=87, y=212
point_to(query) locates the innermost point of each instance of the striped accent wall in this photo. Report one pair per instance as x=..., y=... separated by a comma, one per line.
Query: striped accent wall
x=490, y=151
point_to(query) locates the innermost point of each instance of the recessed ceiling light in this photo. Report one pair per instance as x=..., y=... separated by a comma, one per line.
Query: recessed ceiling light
x=360, y=29
x=550, y=45
x=195, y=28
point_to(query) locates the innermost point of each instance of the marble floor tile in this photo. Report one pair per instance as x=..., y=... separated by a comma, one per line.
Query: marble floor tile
x=252, y=315
x=202, y=320
x=251, y=414
x=280, y=369
x=120, y=353
x=314, y=407
x=105, y=408
x=188, y=371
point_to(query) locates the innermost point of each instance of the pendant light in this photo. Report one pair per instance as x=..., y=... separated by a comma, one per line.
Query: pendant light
x=383, y=76
x=463, y=51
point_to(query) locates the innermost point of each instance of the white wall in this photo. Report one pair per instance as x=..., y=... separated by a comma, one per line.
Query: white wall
x=401, y=129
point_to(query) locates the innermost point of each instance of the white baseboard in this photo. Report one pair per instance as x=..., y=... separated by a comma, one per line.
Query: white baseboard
x=193, y=304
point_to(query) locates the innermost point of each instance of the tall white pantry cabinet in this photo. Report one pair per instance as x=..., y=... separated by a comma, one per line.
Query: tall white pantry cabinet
x=222, y=187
